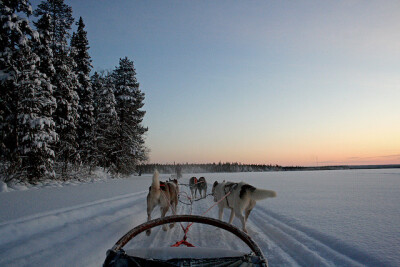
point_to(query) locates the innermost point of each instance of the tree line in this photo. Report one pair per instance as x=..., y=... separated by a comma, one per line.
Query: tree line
x=54, y=116
x=207, y=167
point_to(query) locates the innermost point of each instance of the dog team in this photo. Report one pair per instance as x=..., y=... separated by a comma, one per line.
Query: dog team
x=198, y=184
x=240, y=198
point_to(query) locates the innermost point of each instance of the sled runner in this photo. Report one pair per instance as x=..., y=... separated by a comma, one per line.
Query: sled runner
x=193, y=256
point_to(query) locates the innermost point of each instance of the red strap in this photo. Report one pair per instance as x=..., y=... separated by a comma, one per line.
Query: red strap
x=183, y=242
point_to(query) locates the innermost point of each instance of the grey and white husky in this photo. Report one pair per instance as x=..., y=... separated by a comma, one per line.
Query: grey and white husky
x=243, y=197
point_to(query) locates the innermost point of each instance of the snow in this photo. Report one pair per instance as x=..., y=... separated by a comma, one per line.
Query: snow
x=3, y=187
x=319, y=218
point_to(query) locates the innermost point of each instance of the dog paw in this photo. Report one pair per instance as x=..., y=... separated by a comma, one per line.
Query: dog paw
x=171, y=225
x=148, y=232
x=164, y=228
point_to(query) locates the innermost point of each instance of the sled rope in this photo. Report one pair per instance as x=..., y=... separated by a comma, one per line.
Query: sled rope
x=186, y=230
x=183, y=241
x=191, y=199
x=216, y=203
x=192, y=185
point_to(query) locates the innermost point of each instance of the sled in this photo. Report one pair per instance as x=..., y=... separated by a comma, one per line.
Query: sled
x=184, y=256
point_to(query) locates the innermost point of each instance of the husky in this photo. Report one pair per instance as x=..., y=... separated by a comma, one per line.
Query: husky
x=164, y=194
x=193, y=186
x=243, y=197
x=202, y=186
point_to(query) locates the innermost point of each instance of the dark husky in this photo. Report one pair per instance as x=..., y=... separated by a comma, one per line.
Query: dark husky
x=202, y=186
x=193, y=186
x=164, y=194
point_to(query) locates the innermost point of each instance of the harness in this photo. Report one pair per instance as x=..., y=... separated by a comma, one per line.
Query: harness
x=195, y=180
x=163, y=186
x=230, y=187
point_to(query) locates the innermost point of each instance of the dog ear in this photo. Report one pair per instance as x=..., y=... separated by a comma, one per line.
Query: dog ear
x=215, y=184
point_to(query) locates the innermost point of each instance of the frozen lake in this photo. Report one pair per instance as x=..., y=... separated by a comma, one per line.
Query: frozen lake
x=356, y=212
x=319, y=218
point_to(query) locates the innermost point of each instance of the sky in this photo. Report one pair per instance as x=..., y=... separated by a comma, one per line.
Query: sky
x=292, y=83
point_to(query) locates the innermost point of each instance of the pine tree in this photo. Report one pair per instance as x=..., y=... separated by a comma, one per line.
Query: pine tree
x=10, y=34
x=85, y=132
x=106, y=122
x=36, y=128
x=27, y=103
x=60, y=20
x=131, y=132
x=66, y=115
x=46, y=66
x=43, y=49
x=65, y=79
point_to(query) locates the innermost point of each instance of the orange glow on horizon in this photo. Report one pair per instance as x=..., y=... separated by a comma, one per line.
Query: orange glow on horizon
x=366, y=150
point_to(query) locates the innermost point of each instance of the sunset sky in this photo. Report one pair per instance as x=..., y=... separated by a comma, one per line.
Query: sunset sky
x=272, y=82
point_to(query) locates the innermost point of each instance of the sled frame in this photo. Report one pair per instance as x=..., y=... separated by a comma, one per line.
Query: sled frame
x=191, y=218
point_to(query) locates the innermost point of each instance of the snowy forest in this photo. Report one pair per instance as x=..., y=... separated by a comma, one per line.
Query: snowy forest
x=207, y=167
x=56, y=119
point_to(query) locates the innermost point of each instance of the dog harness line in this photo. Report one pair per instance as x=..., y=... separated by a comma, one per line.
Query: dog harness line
x=230, y=187
x=186, y=230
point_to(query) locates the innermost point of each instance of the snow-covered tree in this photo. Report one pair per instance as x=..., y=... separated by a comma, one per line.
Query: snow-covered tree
x=36, y=128
x=60, y=20
x=26, y=97
x=85, y=131
x=66, y=115
x=65, y=79
x=131, y=132
x=10, y=35
x=43, y=49
x=106, y=125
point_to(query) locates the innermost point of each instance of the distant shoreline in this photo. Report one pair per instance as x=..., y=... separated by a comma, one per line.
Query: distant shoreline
x=341, y=167
x=238, y=167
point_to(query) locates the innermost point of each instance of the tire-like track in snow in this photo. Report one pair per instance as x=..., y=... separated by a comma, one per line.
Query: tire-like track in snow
x=81, y=235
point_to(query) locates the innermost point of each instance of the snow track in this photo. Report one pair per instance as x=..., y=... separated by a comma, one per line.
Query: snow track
x=307, y=246
x=67, y=232
x=80, y=235
x=298, y=246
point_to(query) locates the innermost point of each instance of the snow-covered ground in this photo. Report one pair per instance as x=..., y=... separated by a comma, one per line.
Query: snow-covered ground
x=320, y=218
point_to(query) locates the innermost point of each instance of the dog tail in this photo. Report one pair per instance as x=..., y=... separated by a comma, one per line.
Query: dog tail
x=156, y=182
x=255, y=193
x=259, y=194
